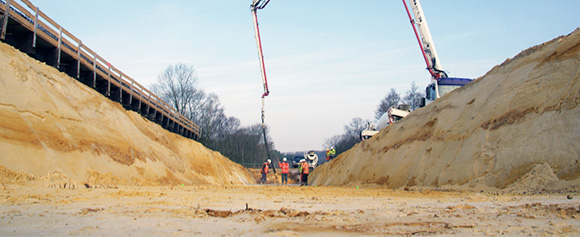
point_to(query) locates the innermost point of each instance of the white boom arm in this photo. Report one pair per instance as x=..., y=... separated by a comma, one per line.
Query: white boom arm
x=256, y=5
x=425, y=42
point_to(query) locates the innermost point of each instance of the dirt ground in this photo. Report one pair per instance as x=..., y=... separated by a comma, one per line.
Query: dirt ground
x=280, y=210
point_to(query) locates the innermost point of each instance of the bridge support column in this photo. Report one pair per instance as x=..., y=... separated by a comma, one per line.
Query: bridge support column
x=5, y=18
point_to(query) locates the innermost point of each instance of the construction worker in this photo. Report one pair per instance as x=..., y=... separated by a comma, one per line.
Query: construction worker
x=300, y=170
x=285, y=170
x=304, y=169
x=332, y=153
x=327, y=154
x=265, y=170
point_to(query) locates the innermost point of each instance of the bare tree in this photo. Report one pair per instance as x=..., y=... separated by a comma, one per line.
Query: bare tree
x=245, y=145
x=178, y=85
x=212, y=115
x=413, y=96
x=333, y=141
x=392, y=99
x=350, y=137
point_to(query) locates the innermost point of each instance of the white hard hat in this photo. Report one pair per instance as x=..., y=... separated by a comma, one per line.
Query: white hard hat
x=302, y=160
x=269, y=161
x=284, y=159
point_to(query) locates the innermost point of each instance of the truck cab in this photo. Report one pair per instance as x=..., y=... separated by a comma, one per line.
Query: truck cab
x=392, y=115
x=441, y=87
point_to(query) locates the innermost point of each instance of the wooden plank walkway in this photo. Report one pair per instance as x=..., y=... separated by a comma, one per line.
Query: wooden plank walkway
x=28, y=29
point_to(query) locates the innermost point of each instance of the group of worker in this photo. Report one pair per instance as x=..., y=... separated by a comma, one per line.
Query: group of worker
x=304, y=168
x=304, y=171
x=330, y=153
x=283, y=165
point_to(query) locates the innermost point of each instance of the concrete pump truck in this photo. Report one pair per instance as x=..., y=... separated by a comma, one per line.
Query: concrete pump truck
x=440, y=84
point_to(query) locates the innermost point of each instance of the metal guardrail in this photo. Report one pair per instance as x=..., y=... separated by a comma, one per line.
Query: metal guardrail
x=30, y=17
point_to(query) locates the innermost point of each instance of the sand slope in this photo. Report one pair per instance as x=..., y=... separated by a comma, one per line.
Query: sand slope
x=56, y=131
x=523, y=114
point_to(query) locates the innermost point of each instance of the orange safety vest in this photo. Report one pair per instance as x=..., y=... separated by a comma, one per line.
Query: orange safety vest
x=305, y=169
x=285, y=167
x=265, y=168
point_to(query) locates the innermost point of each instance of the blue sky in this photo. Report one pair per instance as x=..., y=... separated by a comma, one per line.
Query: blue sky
x=328, y=61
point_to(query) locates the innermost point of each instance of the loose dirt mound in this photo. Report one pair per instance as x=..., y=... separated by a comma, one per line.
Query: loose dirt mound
x=490, y=133
x=539, y=178
x=56, y=131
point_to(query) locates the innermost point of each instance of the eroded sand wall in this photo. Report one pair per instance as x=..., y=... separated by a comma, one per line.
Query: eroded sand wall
x=522, y=114
x=55, y=130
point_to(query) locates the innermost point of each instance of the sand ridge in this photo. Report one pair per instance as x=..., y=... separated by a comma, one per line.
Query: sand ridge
x=486, y=135
x=56, y=131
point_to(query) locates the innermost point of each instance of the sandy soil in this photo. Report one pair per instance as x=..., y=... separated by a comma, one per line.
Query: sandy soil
x=497, y=132
x=54, y=130
x=280, y=211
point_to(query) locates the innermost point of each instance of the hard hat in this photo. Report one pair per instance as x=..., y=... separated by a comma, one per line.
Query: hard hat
x=269, y=161
x=284, y=159
x=303, y=160
x=332, y=148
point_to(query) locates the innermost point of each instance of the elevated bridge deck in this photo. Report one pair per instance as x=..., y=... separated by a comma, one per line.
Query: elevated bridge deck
x=28, y=29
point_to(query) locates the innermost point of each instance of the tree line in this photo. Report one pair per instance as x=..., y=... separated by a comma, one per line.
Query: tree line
x=351, y=135
x=178, y=85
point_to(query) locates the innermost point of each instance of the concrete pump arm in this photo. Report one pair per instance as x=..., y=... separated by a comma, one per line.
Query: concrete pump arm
x=256, y=5
x=426, y=42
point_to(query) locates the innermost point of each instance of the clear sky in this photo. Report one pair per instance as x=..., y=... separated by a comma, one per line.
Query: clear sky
x=328, y=61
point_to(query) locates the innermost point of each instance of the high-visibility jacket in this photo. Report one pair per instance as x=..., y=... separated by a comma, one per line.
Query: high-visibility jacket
x=305, y=168
x=285, y=167
x=332, y=153
x=265, y=168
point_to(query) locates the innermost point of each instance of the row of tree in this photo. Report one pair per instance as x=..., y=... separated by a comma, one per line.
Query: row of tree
x=351, y=135
x=178, y=85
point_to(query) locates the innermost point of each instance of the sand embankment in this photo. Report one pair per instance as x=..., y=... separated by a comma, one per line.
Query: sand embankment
x=55, y=131
x=522, y=117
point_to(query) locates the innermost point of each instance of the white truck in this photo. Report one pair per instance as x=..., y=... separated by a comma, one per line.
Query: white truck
x=391, y=116
x=312, y=159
